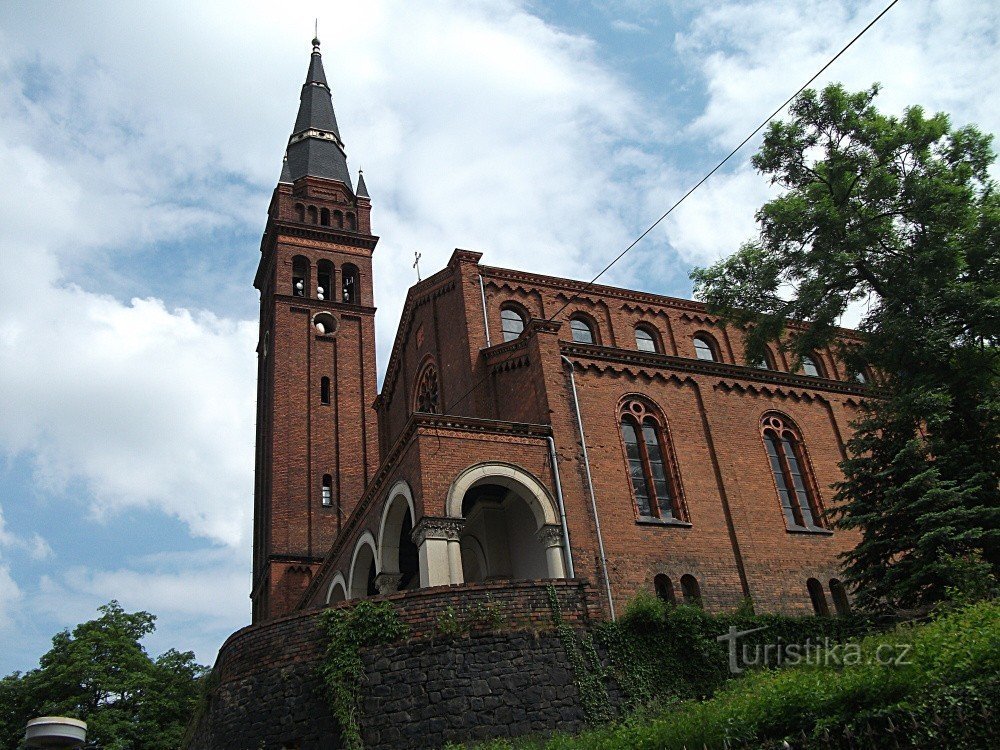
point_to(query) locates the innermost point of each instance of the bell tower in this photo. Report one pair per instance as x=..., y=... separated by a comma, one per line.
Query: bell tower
x=317, y=438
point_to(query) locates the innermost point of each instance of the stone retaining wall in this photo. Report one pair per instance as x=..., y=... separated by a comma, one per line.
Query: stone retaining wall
x=267, y=694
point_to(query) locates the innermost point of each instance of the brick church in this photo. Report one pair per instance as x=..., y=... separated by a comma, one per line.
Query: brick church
x=528, y=427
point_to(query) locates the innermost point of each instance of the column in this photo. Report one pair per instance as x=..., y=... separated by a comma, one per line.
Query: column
x=437, y=541
x=550, y=536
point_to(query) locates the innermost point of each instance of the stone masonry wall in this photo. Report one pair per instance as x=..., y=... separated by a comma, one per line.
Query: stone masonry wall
x=267, y=694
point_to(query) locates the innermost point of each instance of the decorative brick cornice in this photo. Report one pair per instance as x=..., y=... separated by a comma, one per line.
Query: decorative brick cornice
x=433, y=527
x=323, y=234
x=660, y=362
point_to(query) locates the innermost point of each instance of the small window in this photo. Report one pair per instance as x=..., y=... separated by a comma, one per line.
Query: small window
x=300, y=212
x=324, y=217
x=351, y=292
x=644, y=340
x=352, y=223
x=327, y=491
x=324, y=391
x=300, y=276
x=313, y=214
x=324, y=279
x=428, y=391
x=704, y=349
x=817, y=597
x=839, y=595
x=582, y=332
x=764, y=363
x=788, y=465
x=691, y=590
x=809, y=367
x=511, y=323
x=664, y=588
x=324, y=323
x=338, y=219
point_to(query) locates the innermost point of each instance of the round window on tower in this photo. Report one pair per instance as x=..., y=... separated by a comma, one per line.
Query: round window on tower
x=324, y=323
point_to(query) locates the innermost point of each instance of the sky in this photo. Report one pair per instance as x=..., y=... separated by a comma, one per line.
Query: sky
x=139, y=146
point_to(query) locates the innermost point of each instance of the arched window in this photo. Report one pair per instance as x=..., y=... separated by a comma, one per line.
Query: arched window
x=704, y=348
x=691, y=590
x=649, y=463
x=352, y=222
x=788, y=464
x=351, y=291
x=583, y=333
x=327, y=491
x=645, y=340
x=765, y=362
x=338, y=219
x=428, y=393
x=324, y=391
x=300, y=212
x=300, y=276
x=313, y=214
x=664, y=589
x=817, y=597
x=324, y=217
x=511, y=323
x=809, y=367
x=324, y=279
x=839, y=595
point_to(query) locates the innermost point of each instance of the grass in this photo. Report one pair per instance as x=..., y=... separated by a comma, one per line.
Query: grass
x=959, y=647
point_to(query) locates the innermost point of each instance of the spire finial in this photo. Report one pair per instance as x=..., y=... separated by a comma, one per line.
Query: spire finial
x=316, y=35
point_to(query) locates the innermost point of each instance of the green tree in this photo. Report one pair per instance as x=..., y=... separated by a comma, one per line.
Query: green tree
x=101, y=673
x=899, y=216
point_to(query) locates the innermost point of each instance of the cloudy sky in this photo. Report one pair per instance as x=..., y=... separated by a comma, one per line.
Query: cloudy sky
x=140, y=142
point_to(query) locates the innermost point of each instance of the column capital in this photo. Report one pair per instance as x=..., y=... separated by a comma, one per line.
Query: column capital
x=387, y=583
x=432, y=527
x=550, y=535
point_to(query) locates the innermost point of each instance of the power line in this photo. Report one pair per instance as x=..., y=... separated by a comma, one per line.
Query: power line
x=705, y=179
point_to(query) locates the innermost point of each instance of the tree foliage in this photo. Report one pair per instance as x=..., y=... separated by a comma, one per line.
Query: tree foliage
x=101, y=673
x=897, y=215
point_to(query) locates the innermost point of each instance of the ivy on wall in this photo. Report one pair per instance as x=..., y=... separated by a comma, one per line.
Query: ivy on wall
x=365, y=625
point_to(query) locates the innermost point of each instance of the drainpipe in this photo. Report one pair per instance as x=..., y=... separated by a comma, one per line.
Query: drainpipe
x=486, y=320
x=562, y=509
x=590, y=487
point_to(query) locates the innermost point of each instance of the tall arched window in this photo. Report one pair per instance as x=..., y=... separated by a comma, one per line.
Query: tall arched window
x=327, y=491
x=300, y=276
x=704, y=348
x=664, y=589
x=324, y=217
x=809, y=367
x=691, y=590
x=351, y=291
x=352, y=222
x=338, y=219
x=324, y=279
x=817, y=597
x=313, y=214
x=511, y=323
x=789, y=467
x=324, y=391
x=839, y=595
x=644, y=340
x=300, y=212
x=650, y=467
x=583, y=332
x=428, y=393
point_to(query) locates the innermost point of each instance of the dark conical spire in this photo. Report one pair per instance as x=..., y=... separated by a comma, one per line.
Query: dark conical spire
x=315, y=148
x=362, y=187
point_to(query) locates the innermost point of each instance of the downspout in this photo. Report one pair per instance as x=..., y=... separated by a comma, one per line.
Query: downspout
x=590, y=487
x=570, y=572
x=486, y=320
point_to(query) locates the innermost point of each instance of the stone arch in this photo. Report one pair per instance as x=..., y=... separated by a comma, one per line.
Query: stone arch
x=398, y=563
x=337, y=591
x=506, y=475
x=507, y=526
x=365, y=555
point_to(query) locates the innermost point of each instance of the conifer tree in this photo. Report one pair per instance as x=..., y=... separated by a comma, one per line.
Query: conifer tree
x=898, y=215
